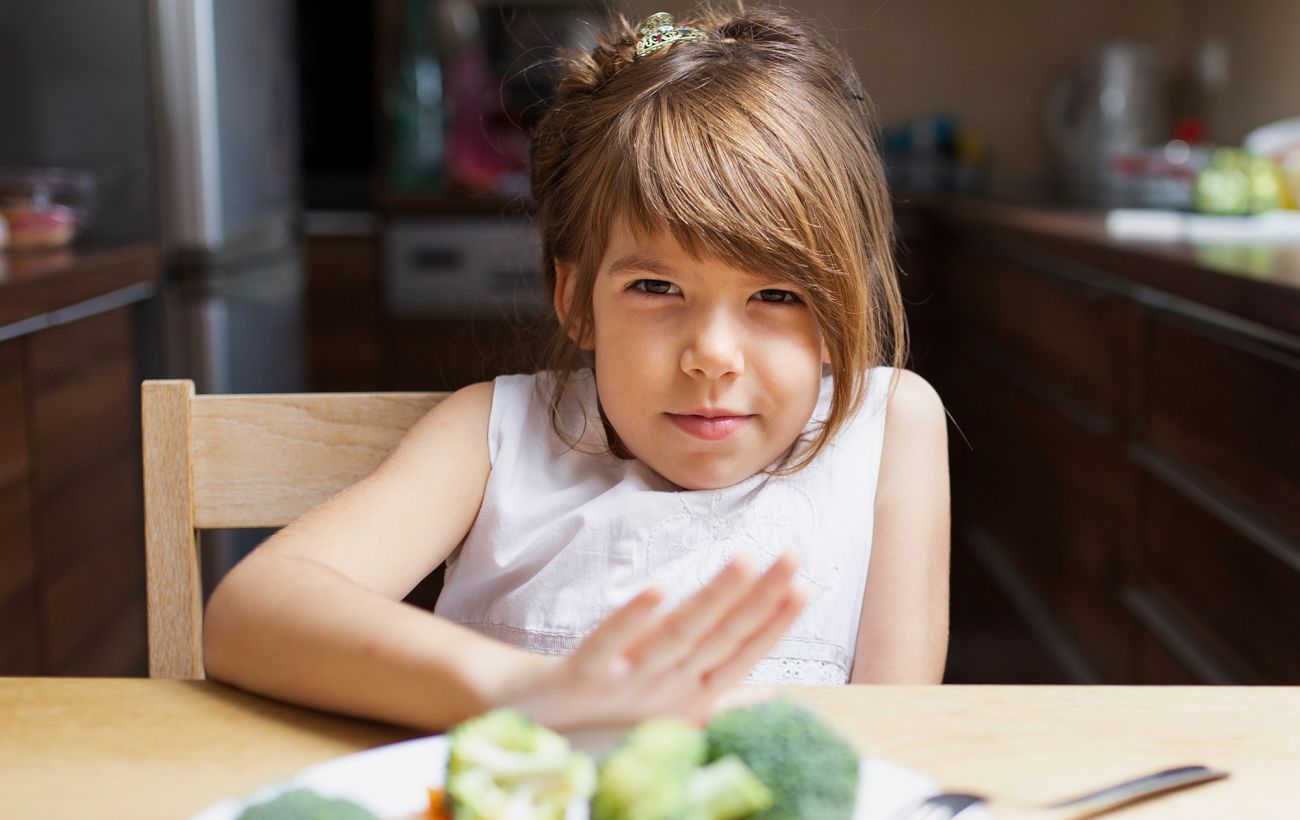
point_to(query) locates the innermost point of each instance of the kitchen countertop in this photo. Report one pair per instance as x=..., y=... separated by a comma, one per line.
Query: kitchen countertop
x=1259, y=283
x=43, y=289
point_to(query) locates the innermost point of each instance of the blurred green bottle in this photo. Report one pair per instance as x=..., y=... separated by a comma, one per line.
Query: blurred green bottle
x=417, y=109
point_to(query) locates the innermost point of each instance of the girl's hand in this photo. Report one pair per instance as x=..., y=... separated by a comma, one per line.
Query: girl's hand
x=639, y=664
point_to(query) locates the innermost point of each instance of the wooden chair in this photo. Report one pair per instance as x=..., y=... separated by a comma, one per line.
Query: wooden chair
x=229, y=461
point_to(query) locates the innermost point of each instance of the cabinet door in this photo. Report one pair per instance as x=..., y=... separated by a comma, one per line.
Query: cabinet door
x=88, y=511
x=344, y=336
x=1039, y=383
x=1221, y=552
x=19, y=652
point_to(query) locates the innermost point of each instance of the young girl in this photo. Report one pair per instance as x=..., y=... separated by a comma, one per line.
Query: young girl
x=716, y=478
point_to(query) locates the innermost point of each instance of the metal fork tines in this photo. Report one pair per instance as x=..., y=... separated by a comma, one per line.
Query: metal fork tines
x=951, y=804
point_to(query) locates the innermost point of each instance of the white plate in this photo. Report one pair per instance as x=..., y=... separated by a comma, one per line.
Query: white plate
x=393, y=781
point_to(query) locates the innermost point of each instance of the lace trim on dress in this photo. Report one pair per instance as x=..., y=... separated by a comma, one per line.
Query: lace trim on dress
x=797, y=671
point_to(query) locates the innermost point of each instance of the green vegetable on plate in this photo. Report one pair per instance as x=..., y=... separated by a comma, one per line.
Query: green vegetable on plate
x=811, y=770
x=304, y=804
x=660, y=772
x=503, y=765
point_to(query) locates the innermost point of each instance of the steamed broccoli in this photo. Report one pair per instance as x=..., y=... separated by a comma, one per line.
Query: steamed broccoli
x=659, y=773
x=812, y=771
x=503, y=766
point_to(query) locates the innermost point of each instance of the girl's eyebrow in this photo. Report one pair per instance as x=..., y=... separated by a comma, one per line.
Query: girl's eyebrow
x=637, y=262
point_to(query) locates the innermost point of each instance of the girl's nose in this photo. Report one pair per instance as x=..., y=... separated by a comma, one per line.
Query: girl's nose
x=713, y=349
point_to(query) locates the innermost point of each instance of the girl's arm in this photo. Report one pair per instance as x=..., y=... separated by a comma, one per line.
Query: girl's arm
x=314, y=615
x=903, y=635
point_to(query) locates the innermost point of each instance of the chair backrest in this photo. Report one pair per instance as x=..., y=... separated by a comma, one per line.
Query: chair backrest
x=233, y=461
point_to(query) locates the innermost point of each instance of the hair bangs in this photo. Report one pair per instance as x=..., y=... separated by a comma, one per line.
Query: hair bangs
x=709, y=175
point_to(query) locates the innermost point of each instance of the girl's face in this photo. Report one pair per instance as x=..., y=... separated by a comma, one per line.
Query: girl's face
x=707, y=373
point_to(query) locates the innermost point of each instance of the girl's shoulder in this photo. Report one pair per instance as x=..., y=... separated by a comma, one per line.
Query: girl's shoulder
x=910, y=395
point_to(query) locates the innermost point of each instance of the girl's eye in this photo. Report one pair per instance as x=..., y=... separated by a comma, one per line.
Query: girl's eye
x=657, y=287
x=776, y=296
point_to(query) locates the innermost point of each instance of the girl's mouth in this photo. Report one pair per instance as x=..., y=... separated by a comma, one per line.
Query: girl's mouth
x=709, y=428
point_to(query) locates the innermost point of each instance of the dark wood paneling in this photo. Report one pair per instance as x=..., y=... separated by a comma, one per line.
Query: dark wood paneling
x=13, y=415
x=1075, y=338
x=17, y=564
x=83, y=396
x=1230, y=415
x=79, y=518
x=76, y=607
x=989, y=641
x=1158, y=666
x=1058, y=500
x=344, y=335
x=446, y=354
x=87, y=518
x=19, y=634
x=117, y=649
x=1239, y=599
x=19, y=648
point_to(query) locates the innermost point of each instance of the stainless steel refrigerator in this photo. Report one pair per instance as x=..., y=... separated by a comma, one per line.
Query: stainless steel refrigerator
x=225, y=119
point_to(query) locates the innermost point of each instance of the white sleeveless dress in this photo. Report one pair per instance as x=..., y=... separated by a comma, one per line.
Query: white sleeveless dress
x=565, y=537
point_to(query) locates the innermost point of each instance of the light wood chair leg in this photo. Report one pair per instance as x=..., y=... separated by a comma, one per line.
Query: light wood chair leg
x=171, y=545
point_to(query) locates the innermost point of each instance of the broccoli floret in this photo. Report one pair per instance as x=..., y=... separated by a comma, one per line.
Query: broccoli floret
x=304, y=804
x=659, y=773
x=503, y=766
x=811, y=770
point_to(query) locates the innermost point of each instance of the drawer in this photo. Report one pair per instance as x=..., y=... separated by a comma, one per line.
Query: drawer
x=120, y=649
x=19, y=649
x=90, y=550
x=1058, y=500
x=13, y=415
x=17, y=565
x=1078, y=339
x=1158, y=666
x=1238, y=599
x=83, y=396
x=1230, y=414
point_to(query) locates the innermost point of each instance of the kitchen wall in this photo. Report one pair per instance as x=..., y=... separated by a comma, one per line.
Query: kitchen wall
x=992, y=64
x=1263, y=40
x=74, y=91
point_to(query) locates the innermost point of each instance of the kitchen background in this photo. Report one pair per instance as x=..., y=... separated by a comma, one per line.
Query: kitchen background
x=272, y=196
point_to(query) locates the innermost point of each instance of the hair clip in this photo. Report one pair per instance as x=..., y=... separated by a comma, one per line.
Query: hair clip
x=659, y=31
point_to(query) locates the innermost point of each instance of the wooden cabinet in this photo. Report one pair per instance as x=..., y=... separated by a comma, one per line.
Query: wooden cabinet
x=1126, y=464
x=87, y=509
x=19, y=647
x=1219, y=563
x=1037, y=379
x=356, y=343
x=71, y=510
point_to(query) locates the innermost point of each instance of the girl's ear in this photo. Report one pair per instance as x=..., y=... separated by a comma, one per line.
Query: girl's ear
x=566, y=277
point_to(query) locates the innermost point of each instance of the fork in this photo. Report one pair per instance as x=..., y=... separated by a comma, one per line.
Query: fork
x=951, y=804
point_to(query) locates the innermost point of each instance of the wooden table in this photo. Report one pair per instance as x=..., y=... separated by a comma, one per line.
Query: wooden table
x=140, y=748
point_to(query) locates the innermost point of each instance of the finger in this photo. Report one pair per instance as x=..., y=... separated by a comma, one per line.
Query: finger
x=610, y=640
x=679, y=634
x=756, y=648
x=746, y=618
x=741, y=697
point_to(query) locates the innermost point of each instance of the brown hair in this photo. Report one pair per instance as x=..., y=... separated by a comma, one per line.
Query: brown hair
x=754, y=146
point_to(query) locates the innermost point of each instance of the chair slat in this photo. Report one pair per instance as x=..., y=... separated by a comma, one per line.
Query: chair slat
x=231, y=461
x=264, y=460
